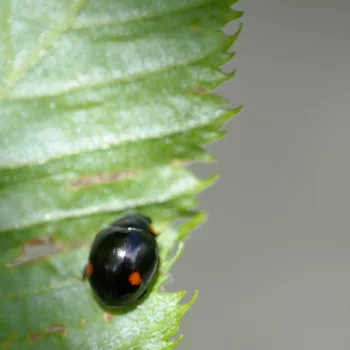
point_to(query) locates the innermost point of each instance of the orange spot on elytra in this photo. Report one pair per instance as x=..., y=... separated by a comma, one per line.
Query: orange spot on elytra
x=89, y=270
x=153, y=231
x=135, y=278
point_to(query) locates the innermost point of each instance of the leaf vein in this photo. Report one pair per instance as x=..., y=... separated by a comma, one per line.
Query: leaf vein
x=7, y=27
x=41, y=50
x=87, y=24
x=70, y=88
x=42, y=290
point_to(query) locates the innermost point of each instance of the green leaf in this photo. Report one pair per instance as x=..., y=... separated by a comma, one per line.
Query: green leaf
x=102, y=105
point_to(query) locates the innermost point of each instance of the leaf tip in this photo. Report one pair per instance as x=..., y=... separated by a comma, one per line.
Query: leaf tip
x=191, y=302
x=177, y=341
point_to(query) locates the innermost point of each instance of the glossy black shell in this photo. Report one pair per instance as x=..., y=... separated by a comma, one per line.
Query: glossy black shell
x=127, y=246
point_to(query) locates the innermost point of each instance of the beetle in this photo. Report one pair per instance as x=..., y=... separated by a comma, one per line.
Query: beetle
x=123, y=261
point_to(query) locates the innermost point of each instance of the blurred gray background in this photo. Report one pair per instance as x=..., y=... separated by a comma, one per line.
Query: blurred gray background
x=272, y=263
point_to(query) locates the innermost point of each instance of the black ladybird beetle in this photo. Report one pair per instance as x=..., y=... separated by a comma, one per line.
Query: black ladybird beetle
x=123, y=261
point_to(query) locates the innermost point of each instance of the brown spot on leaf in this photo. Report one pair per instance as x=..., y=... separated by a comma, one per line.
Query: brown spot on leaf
x=87, y=181
x=107, y=317
x=35, y=242
x=56, y=328
x=35, y=336
x=53, y=328
x=83, y=322
x=36, y=249
x=202, y=90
